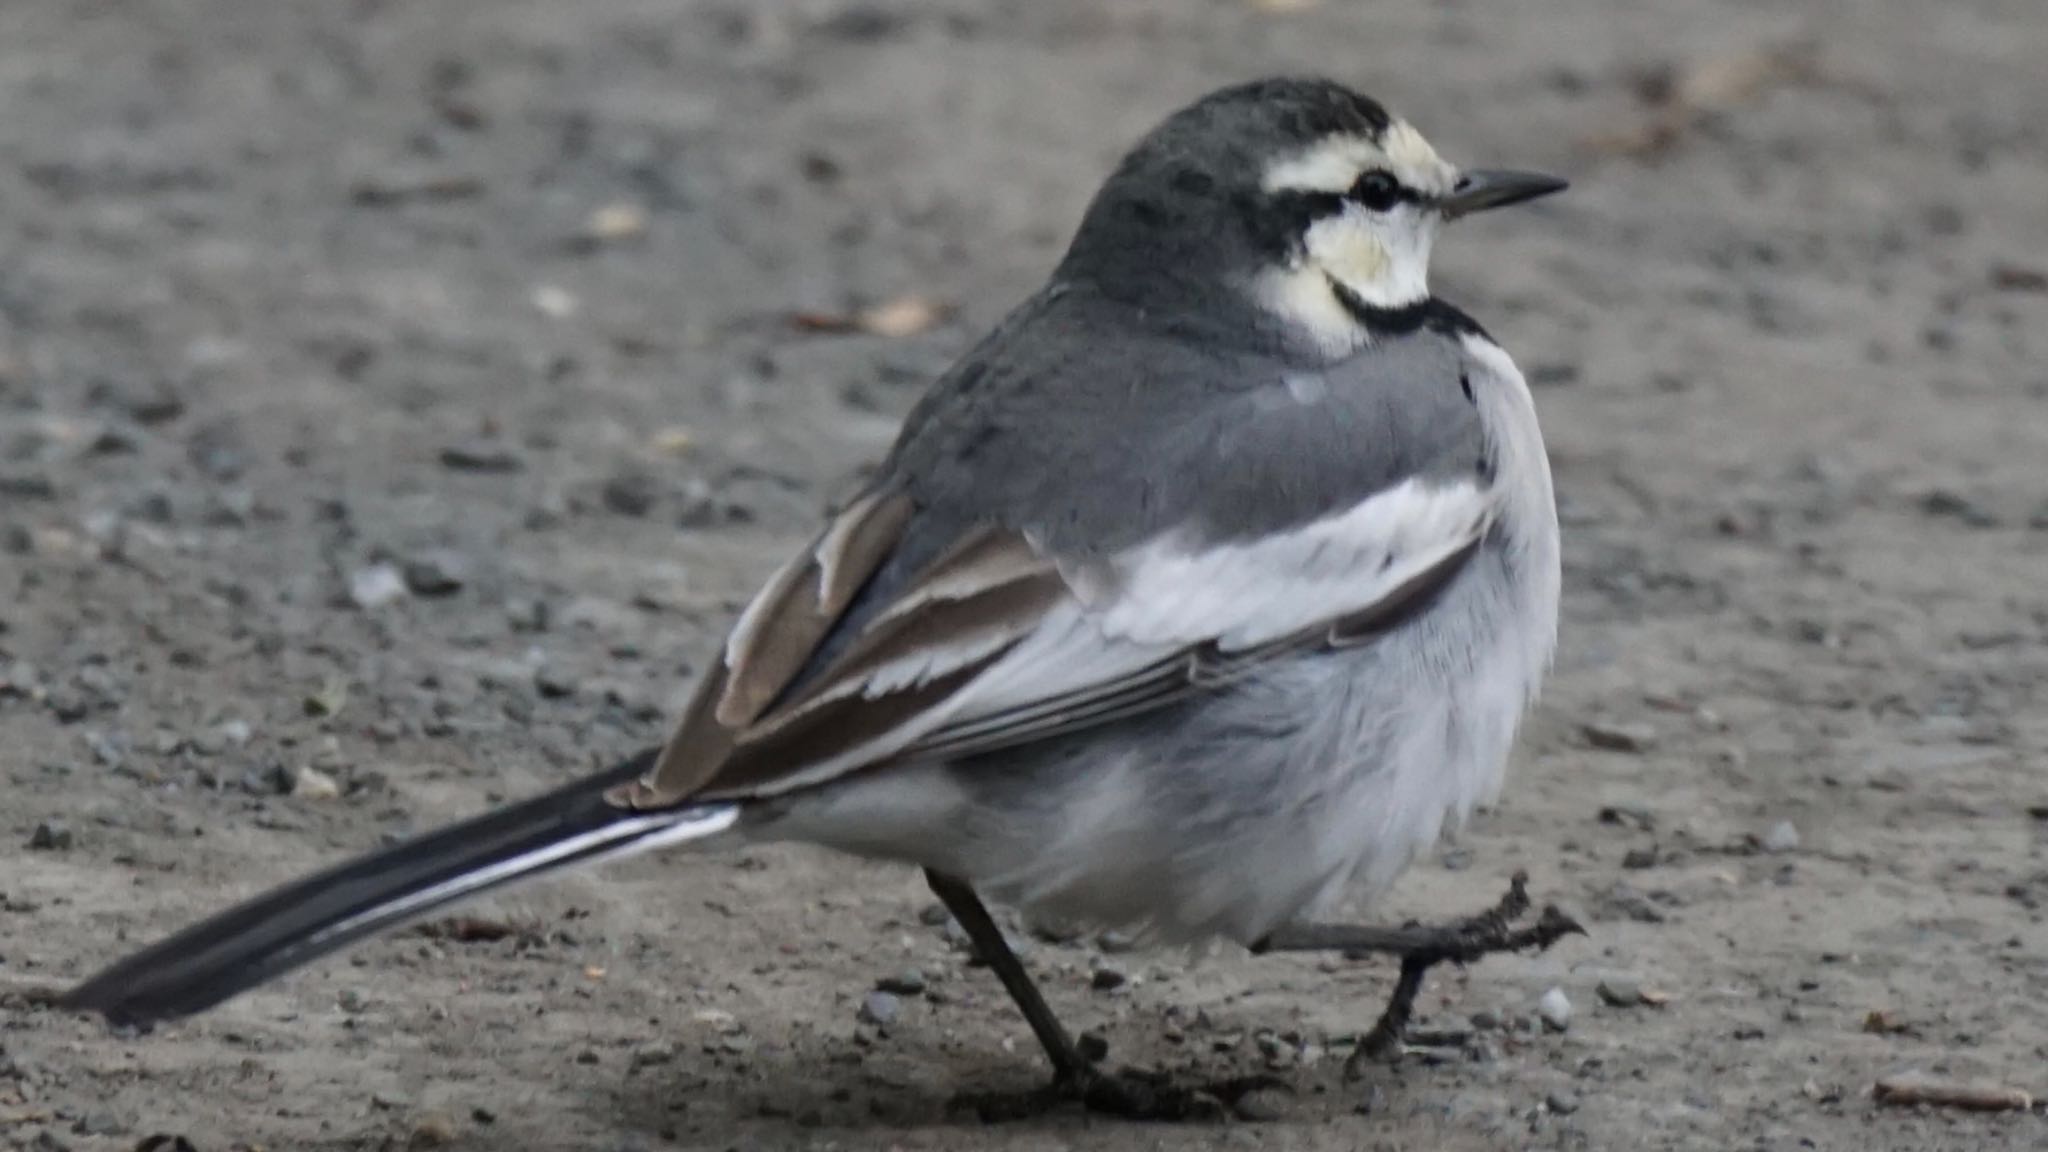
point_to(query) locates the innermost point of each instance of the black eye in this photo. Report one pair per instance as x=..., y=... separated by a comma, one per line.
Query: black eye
x=1377, y=190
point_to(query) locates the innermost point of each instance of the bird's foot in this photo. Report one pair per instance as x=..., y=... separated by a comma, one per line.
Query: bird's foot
x=1459, y=942
x=1421, y=947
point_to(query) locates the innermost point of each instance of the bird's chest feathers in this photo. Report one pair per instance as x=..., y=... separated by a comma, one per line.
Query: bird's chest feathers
x=1527, y=526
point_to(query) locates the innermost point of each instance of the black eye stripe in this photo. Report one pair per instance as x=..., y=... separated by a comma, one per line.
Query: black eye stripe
x=1279, y=218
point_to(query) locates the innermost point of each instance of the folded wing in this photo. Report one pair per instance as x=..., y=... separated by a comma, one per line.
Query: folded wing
x=998, y=642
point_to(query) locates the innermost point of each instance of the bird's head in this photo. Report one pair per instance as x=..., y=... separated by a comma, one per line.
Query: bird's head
x=1306, y=200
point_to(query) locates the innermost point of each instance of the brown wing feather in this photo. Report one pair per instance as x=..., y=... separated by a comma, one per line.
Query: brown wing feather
x=776, y=636
x=958, y=628
x=757, y=767
x=968, y=607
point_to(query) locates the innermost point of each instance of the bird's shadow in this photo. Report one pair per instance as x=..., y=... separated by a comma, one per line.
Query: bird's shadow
x=909, y=1082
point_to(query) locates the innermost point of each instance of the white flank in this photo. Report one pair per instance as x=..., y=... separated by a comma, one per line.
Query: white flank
x=1242, y=595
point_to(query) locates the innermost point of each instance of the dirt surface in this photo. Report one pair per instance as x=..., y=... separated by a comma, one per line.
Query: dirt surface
x=302, y=303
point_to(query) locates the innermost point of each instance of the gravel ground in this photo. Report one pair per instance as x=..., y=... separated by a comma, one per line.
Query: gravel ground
x=397, y=399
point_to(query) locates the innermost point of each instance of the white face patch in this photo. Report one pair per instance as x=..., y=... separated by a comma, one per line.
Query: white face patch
x=1380, y=258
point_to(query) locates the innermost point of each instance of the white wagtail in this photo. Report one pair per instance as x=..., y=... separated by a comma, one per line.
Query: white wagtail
x=1209, y=587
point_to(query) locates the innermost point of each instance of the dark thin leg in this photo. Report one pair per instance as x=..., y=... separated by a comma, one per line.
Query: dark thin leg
x=967, y=908
x=1130, y=1095
x=1424, y=947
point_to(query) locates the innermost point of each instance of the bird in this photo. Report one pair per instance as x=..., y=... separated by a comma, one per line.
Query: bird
x=1204, y=592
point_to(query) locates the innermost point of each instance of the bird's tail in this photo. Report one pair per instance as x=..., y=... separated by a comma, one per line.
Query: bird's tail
x=289, y=926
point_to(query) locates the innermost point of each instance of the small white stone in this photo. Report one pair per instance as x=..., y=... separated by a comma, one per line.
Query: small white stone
x=376, y=585
x=554, y=302
x=1783, y=837
x=1555, y=1009
x=312, y=784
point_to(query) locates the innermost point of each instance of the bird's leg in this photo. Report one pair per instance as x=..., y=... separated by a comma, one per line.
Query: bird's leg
x=1422, y=947
x=1075, y=1077
x=1067, y=1062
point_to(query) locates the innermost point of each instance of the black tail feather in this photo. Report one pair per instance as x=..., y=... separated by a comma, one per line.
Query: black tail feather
x=302, y=921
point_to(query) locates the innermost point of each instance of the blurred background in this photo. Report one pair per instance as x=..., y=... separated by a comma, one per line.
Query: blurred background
x=396, y=399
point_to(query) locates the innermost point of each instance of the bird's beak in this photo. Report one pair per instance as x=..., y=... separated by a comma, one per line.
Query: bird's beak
x=1496, y=188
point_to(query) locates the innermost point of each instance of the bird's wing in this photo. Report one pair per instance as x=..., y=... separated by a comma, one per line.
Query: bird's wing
x=1001, y=640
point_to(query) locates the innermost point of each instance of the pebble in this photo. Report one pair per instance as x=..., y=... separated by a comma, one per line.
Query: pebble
x=27, y=486
x=113, y=440
x=1108, y=978
x=310, y=783
x=376, y=585
x=1637, y=859
x=153, y=403
x=554, y=683
x=51, y=836
x=1620, y=991
x=1261, y=1105
x=1628, y=816
x=1561, y=1103
x=1484, y=1021
x=652, y=1055
x=1943, y=502
x=101, y=1122
x=487, y=456
x=1625, y=901
x=1113, y=942
x=634, y=701
x=527, y=615
x=1555, y=1009
x=432, y=1132
x=438, y=573
x=1618, y=737
x=631, y=493
x=879, y=1008
x=932, y=915
x=909, y=982
x=719, y=1020
x=1783, y=837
